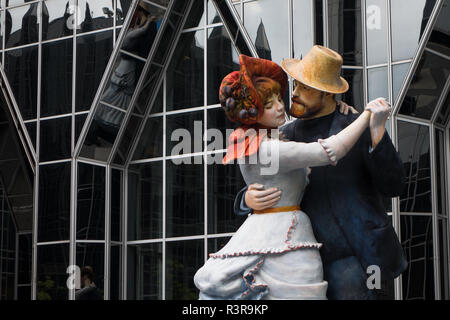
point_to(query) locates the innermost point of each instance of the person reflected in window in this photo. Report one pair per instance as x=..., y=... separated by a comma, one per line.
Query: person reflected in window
x=89, y=290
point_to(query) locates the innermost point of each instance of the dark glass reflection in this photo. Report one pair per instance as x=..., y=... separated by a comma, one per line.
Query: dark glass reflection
x=150, y=144
x=183, y=259
x=90, y=202
x=31, y=129
x=21, y=68
x=443, y=258
x=414, y=149
x=344, y=30
x=59, y=20
x=197, y=15
x=440, y=172
x=128, y=136
x=184, y=133
x=52, y=263
x=185, y=78
x=222, y=59
x=145, y=203
x=91, y=255
x=426, y=86
x=25, y=247
x=444, y=113
x=355, y=95
x=224, y=182
x=56, y=84
x=147, y=91
x=158, y=103
x=417, y=242
x=115, y=271
x=122, y=7
x=95, y=15
x=184, y=197
x=54, y=202
x=215, y=244
x=79, y=123
x=116, y=204
x=145, y=278
x=7, y=248
x=24, y=293
x=318, y=22
x=219, y=121
x=22, y=25
x=55, y=139
x=93, y=53
x=440, y=35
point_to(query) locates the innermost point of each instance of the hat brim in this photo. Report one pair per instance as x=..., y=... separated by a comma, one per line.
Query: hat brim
x=293, y=68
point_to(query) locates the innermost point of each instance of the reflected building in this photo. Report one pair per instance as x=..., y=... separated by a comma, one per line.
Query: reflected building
x=88, y=176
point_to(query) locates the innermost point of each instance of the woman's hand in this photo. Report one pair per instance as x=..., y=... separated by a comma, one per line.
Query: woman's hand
x=380, y=110
x=258, y=198
x=344, y=108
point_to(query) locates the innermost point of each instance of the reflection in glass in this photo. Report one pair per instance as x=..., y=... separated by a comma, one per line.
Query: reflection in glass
x=145, y=276
x=93, y=53
x=444, y=114
x=443, y=258
x=178, y=126
x=21, y=68
x=54, y=202
x=197, y=15
x=185, y=78
x=440, y=172
x=150, y=144
x=91, y=255
x=7, y=248
x=56, y=84
x=147, y=90
x=268, y=31
x=378, y=83
x=417, y=242
x=184, y=197
x=398, y=76
x=115, y=283
x=79, y=123
x=222, y=59
x=440, y=35
x=128, y=136
x=145, y=204
x=31, y=128
x=376, y=28
x=344, y=30
x=183, y=259
x=25, y=248
x=224, y=182
x=158, y=104
x=22, y=25
x=414, y=149
x=90, y=202
x=122, y=7
x=213, y=15
x=52, y=263
x=116, y=204
x=94, y=15
x=218, y=120
x=426, y=86
x=318, y=24
x=302, y=33
x=55, y=139
x=355, y=95
x=58, y=19
x=215, y=244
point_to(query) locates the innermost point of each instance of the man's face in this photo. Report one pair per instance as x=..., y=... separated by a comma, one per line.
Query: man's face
x=306, y=101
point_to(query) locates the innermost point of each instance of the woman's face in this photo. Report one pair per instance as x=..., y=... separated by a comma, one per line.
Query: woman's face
x=273, y=115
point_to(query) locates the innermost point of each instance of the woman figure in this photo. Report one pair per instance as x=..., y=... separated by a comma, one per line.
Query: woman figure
x=274, y=254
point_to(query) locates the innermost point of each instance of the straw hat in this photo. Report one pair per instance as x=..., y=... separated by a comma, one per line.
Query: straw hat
x=319, y=69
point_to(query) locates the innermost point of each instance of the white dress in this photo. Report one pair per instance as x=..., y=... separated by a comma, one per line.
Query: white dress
x=273, y=255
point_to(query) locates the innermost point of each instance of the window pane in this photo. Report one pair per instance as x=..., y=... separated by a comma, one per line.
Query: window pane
x=376, y=28
x=25, y=248
x=217, y=120
x=444, y=113
x=127, y=139
x=344, y=30
x=378, y=83
x=185, y=129
x=443, y=258
x=302, y=32
x=144, y=279
x=184, y=197
x=185, y=78
x=414, y=149
x=55, y=139
x=145, y=201
x=183, y=259
x=215, y=244
x=90, y=202
x=52, y=263
x=150, y=144
x=197, y=15
x=92, y=255
x=94, y=15
x=79, y=123
x=398, y=76
x=22, y=25
x=116, y=204
x=54, y=202
x=439, y=38
x=268, y=31
x=122, y=7
x=440, y=173
x=60, y=19
x=56, y=93
x=115, y=279
x=355, y=95
x=31, y=128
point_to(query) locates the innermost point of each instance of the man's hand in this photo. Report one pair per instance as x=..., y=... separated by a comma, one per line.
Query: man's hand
x=380, y=111
x=344, y=108
x=258, y=198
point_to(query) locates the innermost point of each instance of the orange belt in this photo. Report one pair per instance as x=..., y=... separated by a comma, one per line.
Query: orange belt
x=277, y=209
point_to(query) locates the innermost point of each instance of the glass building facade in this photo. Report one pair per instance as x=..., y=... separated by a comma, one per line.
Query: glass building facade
x=95, y=92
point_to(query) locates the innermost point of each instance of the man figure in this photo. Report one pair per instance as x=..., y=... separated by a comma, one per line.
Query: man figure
x=344, y=202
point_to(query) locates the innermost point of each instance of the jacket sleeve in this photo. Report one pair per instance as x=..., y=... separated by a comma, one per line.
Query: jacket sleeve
x=240, y=208
x=385, y=165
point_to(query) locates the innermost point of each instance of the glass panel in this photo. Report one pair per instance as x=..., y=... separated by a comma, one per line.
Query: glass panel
x=25, y=247
x=7, y=249
x=90, y=202
x=31, y=129
x=24, y=293
x=408, y=21
x=213, y=15
x=145, y=203
x=215, y=244
x=184, y=197
x=147, y=90
x=184, y=133
x=21, y=68
x=79, y=123
x=440, y=173
x=417, y=242
x=224, y=182
x=319, y=22
x=127, y=139
x=414, y=149
x=93, y=53
x=94, y=15
x=344, y=30
x=55, y=139
x=102, y=133
x=439, y=38
x=185, y=78
x=158, y=104
x=150, y=144
x=116, y=205
x=58, y=19
x=56, y=93
x=122, y=7
x=91, y=260
x=218, y=120
x=303, y=36
x=443, y=258
x=197, y=15
x=398, y=76
x=52, y=263
x=268, y=31
x=222, y=59
x=444, y=113
x=183, y=259
x=145, y=279
x=355, y=95
x=115, y=279
x=54, y=202
x=22, y=25
x=376, y=28
x=378, y=83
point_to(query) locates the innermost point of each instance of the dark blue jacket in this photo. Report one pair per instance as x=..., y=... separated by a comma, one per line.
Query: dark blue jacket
x=345, y=202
